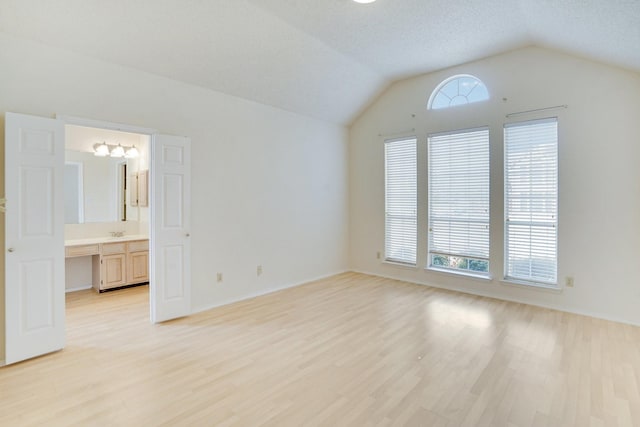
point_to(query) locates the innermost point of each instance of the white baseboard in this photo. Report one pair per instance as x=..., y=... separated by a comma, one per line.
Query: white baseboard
x=431, y=284
x=266, y=292
x=78, y=288
x=505, y=298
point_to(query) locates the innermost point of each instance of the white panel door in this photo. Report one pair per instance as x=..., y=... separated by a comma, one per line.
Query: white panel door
x=170, y=222
x=34, y=236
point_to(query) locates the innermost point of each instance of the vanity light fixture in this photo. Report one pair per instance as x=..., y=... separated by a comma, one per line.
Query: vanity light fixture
x=364, y=1
x=132, y=153
x=101, y=150
x=117, y=151
x=104, y=150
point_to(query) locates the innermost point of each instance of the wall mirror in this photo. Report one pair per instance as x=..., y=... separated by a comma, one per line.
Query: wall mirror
x=100, y=188
x=95, y=189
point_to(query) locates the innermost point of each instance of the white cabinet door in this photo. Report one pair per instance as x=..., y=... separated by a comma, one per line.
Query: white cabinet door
x=170, y=222
x=34, y=237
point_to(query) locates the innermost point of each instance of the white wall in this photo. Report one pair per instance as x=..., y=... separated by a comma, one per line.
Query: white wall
x=269, y=187
x=599, y=151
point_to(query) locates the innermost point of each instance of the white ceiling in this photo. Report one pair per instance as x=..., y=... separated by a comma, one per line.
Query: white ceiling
x=322, y=58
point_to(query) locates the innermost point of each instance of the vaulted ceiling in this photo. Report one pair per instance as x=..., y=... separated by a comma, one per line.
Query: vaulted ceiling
x=322, y=58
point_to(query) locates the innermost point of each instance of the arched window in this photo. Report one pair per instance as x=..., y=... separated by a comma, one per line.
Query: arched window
x=458, y=90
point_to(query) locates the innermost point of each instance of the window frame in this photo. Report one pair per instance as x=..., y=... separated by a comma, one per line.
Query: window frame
x=430, y=192
x=448, y=80
x=531, y=281
x=387, y=258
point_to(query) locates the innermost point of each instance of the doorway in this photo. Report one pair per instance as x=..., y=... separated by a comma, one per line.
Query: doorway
x=35, y=230
x=106, y=209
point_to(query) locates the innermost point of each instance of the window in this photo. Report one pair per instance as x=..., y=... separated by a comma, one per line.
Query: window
x=531, y=201
x=458, y=90
x=400, y=199
x=459, y=201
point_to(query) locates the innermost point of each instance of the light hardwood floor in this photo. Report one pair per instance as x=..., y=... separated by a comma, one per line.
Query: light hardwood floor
x=351, y=350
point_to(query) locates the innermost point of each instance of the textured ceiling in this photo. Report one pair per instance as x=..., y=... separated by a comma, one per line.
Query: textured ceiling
x=326, y=59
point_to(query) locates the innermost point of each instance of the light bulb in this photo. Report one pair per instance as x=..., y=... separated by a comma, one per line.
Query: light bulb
x=101, y=150
x=132, y=153
x=117, y=151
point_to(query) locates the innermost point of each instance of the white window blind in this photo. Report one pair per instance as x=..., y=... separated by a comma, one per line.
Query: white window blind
x=459, y=201
x=400, y=200
x=531, y=200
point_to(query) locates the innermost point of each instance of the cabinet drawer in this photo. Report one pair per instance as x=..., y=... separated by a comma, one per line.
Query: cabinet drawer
x=138, y=246
x=114, y=248
x=81, y=250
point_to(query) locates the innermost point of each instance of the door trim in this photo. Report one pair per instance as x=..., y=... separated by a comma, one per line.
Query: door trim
x=122, y=127
x=93, y=123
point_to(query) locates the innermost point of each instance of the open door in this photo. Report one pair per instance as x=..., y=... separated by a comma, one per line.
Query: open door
x=170, y=224
x=34, y=237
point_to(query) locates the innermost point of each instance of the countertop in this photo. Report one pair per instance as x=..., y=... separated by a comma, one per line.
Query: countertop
x=106, y=239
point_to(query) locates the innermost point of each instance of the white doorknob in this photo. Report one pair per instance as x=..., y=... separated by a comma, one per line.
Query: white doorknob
x=10, y=250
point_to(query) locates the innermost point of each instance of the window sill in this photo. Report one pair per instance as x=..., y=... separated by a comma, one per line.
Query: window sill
x=400, y=264
x=532, y=285
x=483, y=277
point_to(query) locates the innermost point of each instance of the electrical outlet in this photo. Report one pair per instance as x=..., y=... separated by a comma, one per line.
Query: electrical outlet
x=378, y=255
x=259, y=270
x=568, y=281
x=219, y=277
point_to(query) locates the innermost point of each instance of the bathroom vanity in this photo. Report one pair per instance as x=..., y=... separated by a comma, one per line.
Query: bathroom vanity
x=117, y=262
